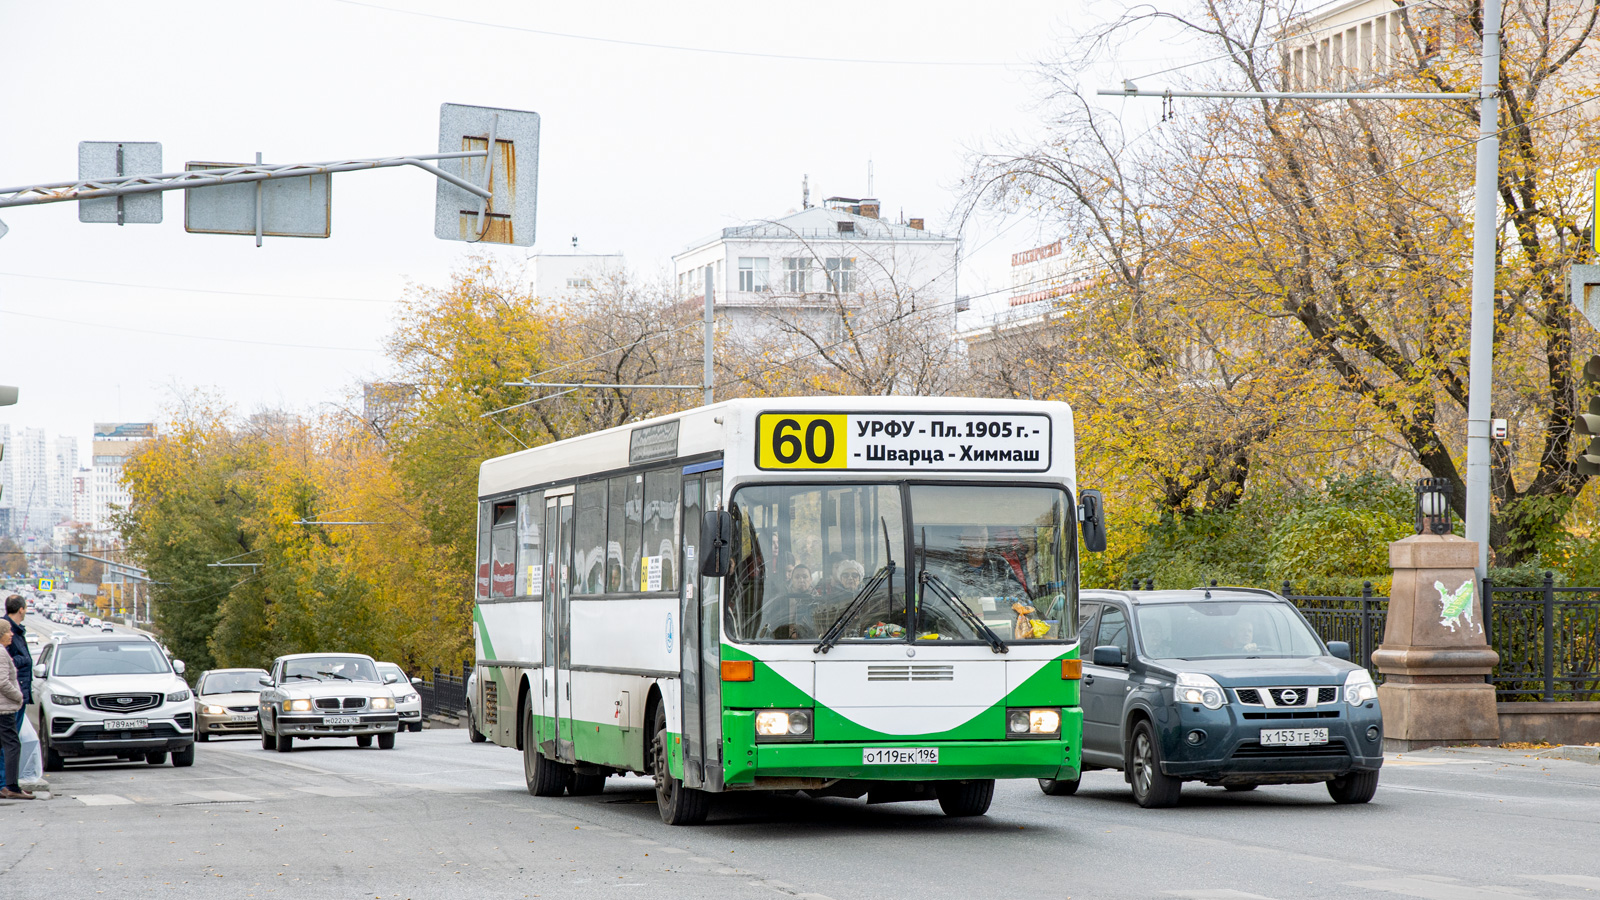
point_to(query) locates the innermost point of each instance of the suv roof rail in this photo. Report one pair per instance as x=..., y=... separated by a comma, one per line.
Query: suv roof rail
x=1230, y=587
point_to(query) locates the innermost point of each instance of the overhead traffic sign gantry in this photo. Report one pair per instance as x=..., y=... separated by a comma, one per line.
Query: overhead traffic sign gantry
x=487, y=166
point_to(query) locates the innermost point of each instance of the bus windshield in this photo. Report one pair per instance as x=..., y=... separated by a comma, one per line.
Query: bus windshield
x=1006, y=553
x=811, y=559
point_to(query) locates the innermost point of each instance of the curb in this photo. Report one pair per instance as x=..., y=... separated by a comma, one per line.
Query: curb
x=1575, y=753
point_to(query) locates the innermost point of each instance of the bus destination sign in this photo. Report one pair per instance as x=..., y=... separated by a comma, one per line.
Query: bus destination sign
x=896, y=442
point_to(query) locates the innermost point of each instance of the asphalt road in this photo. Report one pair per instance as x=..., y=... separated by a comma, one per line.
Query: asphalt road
x=440, y=817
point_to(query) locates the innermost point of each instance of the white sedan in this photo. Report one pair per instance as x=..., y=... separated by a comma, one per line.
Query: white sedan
x=407, y=702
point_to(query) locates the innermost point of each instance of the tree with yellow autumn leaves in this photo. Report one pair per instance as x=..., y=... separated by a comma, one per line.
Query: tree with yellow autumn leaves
x=1279, y=288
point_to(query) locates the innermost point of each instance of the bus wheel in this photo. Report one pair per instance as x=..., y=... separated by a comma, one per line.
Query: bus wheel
x=545, y=777
x=1058, y=787
x=677, y=804
x=965, y=798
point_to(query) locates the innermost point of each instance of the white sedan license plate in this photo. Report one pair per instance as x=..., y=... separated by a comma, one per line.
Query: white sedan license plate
x=341, y=720
x=900, y=756
x=1293, y=737
x=124, y=724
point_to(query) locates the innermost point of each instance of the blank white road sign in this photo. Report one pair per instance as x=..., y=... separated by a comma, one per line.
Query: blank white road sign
x=290, y=207
x=98, y=159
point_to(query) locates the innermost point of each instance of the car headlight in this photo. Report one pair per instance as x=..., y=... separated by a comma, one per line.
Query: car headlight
x=176, y=696
x=1358, y=688
x=297, y=706
x=409, y=698
x=211, y=710
x=1033, y=722
x=783, y=725
x=1193, y=687
x=65, y=700
x=383, y=703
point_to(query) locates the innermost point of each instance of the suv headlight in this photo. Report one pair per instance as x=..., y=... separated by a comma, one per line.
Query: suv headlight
x=1358, y=688
x=65, y=699
x=383, y=703
x=176, y=696
x=1193, y=687
x=297, y=706
x=783, y=725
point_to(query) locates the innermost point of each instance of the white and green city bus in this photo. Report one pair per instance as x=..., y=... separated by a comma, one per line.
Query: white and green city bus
x=843, y=595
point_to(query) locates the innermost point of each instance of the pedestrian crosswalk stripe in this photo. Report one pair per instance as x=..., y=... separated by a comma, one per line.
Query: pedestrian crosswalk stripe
x=220, y=796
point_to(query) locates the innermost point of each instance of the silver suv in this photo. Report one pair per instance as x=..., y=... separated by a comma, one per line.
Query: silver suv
x=112, y=695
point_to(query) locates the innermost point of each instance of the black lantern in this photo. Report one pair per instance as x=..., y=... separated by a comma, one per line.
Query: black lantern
x=1433, y=505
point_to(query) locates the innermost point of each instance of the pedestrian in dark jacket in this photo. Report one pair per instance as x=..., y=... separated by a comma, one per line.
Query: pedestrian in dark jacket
x=16, y=610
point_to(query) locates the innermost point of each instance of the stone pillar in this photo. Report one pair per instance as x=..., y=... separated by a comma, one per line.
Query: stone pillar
x=1434, y=656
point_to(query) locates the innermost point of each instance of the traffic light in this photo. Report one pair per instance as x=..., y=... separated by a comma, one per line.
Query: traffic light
x=1589, y=421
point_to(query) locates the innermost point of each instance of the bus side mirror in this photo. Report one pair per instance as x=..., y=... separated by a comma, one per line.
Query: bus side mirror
x=1092, y=517
x=716, y=544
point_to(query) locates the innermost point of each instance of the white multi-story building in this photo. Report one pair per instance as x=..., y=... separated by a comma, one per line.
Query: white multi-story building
x=8, y=452
x=114, y=442
x=561, y=276
x=63, y=466
x=83, y=496
x=1356, y=42
x=813, y=264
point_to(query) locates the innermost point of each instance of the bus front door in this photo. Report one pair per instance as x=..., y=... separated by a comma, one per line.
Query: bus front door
x=701, y=675
x=555, y=738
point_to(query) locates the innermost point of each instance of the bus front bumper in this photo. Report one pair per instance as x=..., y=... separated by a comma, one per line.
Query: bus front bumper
x=956, y=760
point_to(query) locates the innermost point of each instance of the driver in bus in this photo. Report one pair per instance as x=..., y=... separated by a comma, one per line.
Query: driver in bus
x=982, y=572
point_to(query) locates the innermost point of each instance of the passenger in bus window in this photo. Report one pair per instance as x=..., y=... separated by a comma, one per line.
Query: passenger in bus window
x=800, y=580
x=849, y=574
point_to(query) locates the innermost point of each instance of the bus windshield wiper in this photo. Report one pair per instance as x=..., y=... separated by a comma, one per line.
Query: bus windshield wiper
x=884, y=574
x=932, y=584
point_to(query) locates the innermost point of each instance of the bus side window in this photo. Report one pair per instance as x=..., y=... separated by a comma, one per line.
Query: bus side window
x=530, y=552
x=589, y=551
x=485, y=514
x=662, y=529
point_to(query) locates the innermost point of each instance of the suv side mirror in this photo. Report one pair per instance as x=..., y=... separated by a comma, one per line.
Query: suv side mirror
x=1110, y=656
x=40, y=671
x=264, y=681
x=1092, y=517
x=1340, y=649
x=178, y=666
x=716, y=544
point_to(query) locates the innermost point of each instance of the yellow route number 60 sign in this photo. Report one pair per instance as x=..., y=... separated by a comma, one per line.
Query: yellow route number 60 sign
x=801, y=441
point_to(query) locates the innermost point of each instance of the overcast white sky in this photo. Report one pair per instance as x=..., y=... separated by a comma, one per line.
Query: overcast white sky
x=643, y=150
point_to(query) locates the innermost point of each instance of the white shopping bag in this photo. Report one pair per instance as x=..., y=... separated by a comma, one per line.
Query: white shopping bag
x=32, y=767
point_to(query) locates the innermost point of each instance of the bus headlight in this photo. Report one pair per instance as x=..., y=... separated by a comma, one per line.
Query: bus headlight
x=783, y=725
x=1033, y=723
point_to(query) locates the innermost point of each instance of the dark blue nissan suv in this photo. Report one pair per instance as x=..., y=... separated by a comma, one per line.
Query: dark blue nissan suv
x=1227, y=686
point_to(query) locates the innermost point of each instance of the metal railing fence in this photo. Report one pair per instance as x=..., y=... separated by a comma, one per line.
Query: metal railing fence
x=1548, y=637
x=444, y=693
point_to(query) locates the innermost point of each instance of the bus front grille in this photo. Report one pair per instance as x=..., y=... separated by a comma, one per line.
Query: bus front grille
x=911, y=673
